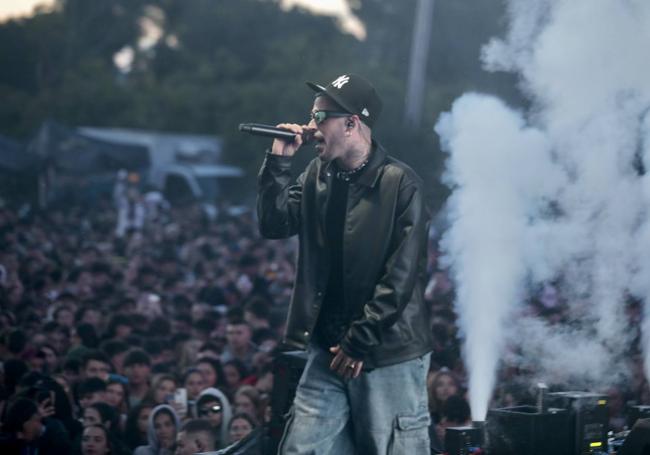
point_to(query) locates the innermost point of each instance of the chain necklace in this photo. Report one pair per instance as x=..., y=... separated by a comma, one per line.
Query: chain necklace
x=346, y=176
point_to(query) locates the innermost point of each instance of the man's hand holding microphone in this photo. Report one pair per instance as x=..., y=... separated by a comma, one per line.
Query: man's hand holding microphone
x=288, y=148
x=288, y=136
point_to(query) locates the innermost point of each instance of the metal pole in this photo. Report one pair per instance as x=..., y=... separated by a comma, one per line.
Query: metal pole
x=418, y=63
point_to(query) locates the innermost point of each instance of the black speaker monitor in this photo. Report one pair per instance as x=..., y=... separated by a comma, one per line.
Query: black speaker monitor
x=522, y=430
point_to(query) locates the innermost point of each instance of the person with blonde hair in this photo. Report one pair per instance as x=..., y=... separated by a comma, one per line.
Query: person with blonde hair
x=247, y=400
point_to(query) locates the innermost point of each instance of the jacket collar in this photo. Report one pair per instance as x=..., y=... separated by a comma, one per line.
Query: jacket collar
x=370, y=174
x=375, y=166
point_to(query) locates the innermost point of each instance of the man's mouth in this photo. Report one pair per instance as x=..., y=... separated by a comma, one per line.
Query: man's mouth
x=319, y=144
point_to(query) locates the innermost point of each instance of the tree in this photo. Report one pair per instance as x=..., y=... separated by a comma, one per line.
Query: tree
x=222, y=62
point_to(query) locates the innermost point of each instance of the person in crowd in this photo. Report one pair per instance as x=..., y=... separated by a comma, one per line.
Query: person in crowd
x=195, y=436
x=71, y=371
x=163, y=389
x=91, y=390
x=247, y=400
x=209, y=350
x=135, y=429
x=257, y=313
x=214, y=407
x=266, y=341
x=58, y=336
x=100, y=414
x=14, y=370
x=95, y=364
x=359, y=307
x=95, y=440
x=162, y=427
x=119, y=327
x=137, y=368
x=117, y=395
x=116, y=352
x=160, y=351
x=240, y=426
x=202, y=329
x=239, y=343
x=211, y=370
x=50, y=358
x=23, y=431
x=264, y=386
x=235, y=372
x=194, y=383
x=52, y=400
x=104, y=415
x=131, y=212
x=89, y=314
x=64, y=316
x=440, y=386
x=83, y=337
x=21, y=427
x=66, y=402
x=13, y=343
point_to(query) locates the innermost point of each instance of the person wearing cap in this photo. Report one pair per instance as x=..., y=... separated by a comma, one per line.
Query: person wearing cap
x=358, y=299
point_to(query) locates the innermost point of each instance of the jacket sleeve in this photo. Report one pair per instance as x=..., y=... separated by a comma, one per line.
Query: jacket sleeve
x=278, y=202
x=394, y=289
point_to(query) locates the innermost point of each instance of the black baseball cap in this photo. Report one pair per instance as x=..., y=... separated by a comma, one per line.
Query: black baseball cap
x=354, y=94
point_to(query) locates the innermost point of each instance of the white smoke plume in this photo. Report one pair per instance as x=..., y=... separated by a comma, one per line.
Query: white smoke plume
x=555, y=194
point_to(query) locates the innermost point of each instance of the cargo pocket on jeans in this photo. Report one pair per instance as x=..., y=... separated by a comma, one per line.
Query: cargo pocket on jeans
x=410, y=435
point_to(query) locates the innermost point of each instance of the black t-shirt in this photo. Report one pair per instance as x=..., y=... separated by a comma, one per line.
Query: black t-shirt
x=334, y=318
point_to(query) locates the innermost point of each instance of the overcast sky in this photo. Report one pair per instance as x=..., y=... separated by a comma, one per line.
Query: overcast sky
x=12, y=8
x=16, y=8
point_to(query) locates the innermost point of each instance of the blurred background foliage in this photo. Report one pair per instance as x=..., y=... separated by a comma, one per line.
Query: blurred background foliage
x=204, y=66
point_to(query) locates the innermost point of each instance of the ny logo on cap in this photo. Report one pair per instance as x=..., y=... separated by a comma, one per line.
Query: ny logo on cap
x=341, y=81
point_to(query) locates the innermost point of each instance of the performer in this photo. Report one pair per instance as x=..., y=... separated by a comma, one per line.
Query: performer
x=358, y=298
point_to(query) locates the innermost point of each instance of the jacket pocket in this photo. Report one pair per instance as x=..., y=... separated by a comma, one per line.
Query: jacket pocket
x=410, y=435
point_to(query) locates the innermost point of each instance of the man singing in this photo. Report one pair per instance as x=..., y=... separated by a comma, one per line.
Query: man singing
x=358, y=304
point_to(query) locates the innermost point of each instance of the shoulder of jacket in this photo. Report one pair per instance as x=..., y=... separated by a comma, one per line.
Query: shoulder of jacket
x=397, y=169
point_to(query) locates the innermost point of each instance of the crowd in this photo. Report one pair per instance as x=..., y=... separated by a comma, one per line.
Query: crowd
x=129, y=326
x=132, y=326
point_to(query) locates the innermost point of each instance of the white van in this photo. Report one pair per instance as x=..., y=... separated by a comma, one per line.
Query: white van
x=183, y=166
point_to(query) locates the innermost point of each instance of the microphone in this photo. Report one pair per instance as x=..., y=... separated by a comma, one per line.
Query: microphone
x=259, y=129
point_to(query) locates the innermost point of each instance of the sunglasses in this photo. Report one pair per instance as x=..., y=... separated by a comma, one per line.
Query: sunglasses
x=320, y=116
x=216, y=409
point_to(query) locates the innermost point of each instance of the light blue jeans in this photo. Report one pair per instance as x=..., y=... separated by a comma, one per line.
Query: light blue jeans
x=381, y=412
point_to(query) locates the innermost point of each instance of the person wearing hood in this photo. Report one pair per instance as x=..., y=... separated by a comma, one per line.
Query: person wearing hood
x=213, y=406
x=161, y=431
